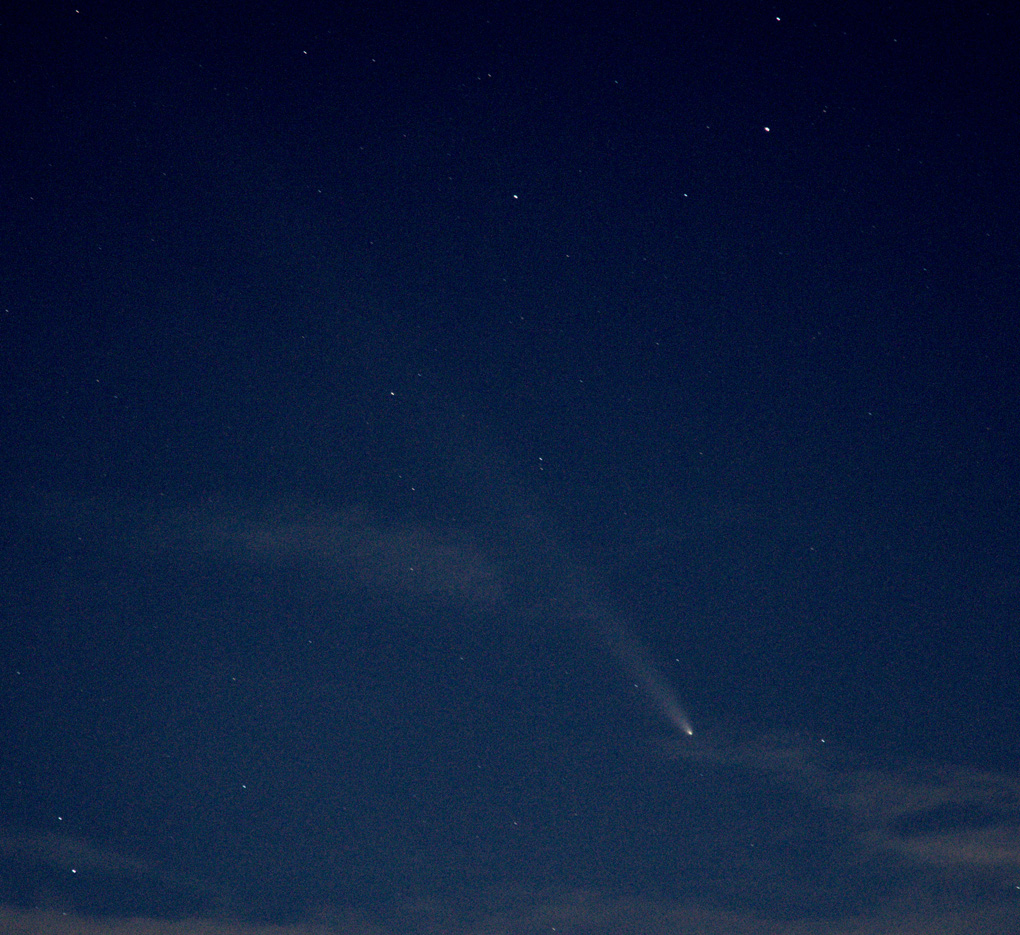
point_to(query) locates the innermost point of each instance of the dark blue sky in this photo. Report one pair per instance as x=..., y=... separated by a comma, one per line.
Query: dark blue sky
x=406, y=411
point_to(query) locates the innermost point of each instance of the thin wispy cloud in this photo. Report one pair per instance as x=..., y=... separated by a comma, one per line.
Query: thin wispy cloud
x=403, y=557
x=931, y=826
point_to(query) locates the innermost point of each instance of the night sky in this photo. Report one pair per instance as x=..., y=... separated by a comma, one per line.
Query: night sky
x=416, y=416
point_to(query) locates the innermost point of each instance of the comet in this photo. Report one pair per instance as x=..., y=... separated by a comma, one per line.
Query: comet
x=638, y=663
